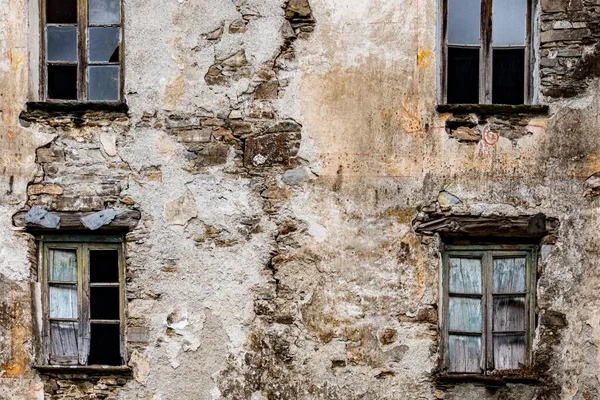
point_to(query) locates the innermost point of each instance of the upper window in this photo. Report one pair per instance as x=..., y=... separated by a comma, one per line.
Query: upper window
x=486, y=51
x=81, y=50
x=83, y=302
x=488, y=303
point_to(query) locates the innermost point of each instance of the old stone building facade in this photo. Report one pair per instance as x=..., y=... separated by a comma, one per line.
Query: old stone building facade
x=282, y=182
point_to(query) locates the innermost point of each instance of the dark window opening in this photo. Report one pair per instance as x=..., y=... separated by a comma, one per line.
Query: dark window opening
x=61, y=11
x=104, y=266
x=463, y=76
x=508, y=76
x=104, y=303
x=62, y=82
x=105, y=345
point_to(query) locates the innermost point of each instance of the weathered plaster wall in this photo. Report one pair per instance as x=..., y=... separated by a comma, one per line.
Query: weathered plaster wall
x=281, y=155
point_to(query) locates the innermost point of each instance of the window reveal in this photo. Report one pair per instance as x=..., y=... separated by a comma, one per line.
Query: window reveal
x=83, y=303
x=486, y=51
x=489, y=307
x=82, y=51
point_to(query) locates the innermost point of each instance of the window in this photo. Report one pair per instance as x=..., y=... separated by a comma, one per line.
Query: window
x=81, y=50
x=489, y=295
x=486, y=52
x=83, y=301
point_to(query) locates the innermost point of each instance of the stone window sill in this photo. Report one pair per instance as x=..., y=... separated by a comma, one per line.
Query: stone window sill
x=39, y=111
x=86, y=369
x=486, y=379
x=493, y=109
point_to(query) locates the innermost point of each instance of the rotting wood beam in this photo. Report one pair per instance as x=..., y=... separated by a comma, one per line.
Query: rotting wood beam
x=124, y=221
x=532, y=226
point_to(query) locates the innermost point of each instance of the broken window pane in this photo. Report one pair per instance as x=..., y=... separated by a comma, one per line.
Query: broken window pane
x=104, y=266
x=508, y=76
x=463, y=76
x=508, y=22
x=464, y=19
x=61, y=11
x=63, y=301
x=465, y=275
x=62, y=82
x=509, y=275
x=464, y=314
x=509, y=314
x=103, y=83
x=104, y=11
x=62, y=265
x=104, y=44
x=63, y=340
x=464, y=353
x=62, y=43
x=105, y=344
x=509, y=351
x=104, y=303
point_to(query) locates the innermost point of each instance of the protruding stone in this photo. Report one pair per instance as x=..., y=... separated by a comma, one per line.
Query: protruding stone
x=447, y=200
x=99, y=219
x=51, y=189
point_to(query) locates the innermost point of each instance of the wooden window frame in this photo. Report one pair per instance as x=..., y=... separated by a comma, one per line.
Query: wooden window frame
x=486, y=254
x=82, y=246
x=485, y=53
x=82, y=55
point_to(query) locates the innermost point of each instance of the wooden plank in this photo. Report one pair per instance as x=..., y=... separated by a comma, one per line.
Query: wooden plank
x=535, y=226
x=485, y=62
x=124, y=221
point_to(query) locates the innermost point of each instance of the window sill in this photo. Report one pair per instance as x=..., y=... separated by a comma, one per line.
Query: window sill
x=75, y=369
x=70, y=107
x=494, y=109
x=39, y=111
x=486, y=380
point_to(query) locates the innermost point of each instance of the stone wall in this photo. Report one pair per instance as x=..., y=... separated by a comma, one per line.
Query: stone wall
x=282, y=155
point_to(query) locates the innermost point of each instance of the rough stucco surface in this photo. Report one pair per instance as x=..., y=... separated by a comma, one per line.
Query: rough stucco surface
x=281, y=156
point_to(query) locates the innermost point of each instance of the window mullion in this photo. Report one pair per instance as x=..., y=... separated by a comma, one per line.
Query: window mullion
x=83, y=40
x=529, y=59
x=485, y=63
x=84, y=293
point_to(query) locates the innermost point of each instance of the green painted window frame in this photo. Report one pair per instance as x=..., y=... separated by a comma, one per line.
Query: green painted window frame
x=82, y=246
x=487, y=253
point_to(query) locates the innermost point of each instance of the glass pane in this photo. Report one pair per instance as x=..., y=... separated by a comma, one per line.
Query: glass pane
x=464, y=19
x=509, y=275
x=508, y=22
x=63, y=339
x=62, y=265
x=104, y=83
x=104, y=11
x=509, y=314
x=62, y=82
x=61, y=11
x=508, y=76
x=105, y=344
x=463, y=76
x=464, y=314
x=104, y=44
x=63, y=301
x=62, y=43
x=104, y=303
x=464, y=353
x=104, y=266
x=509, y=351
x=464, y=275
